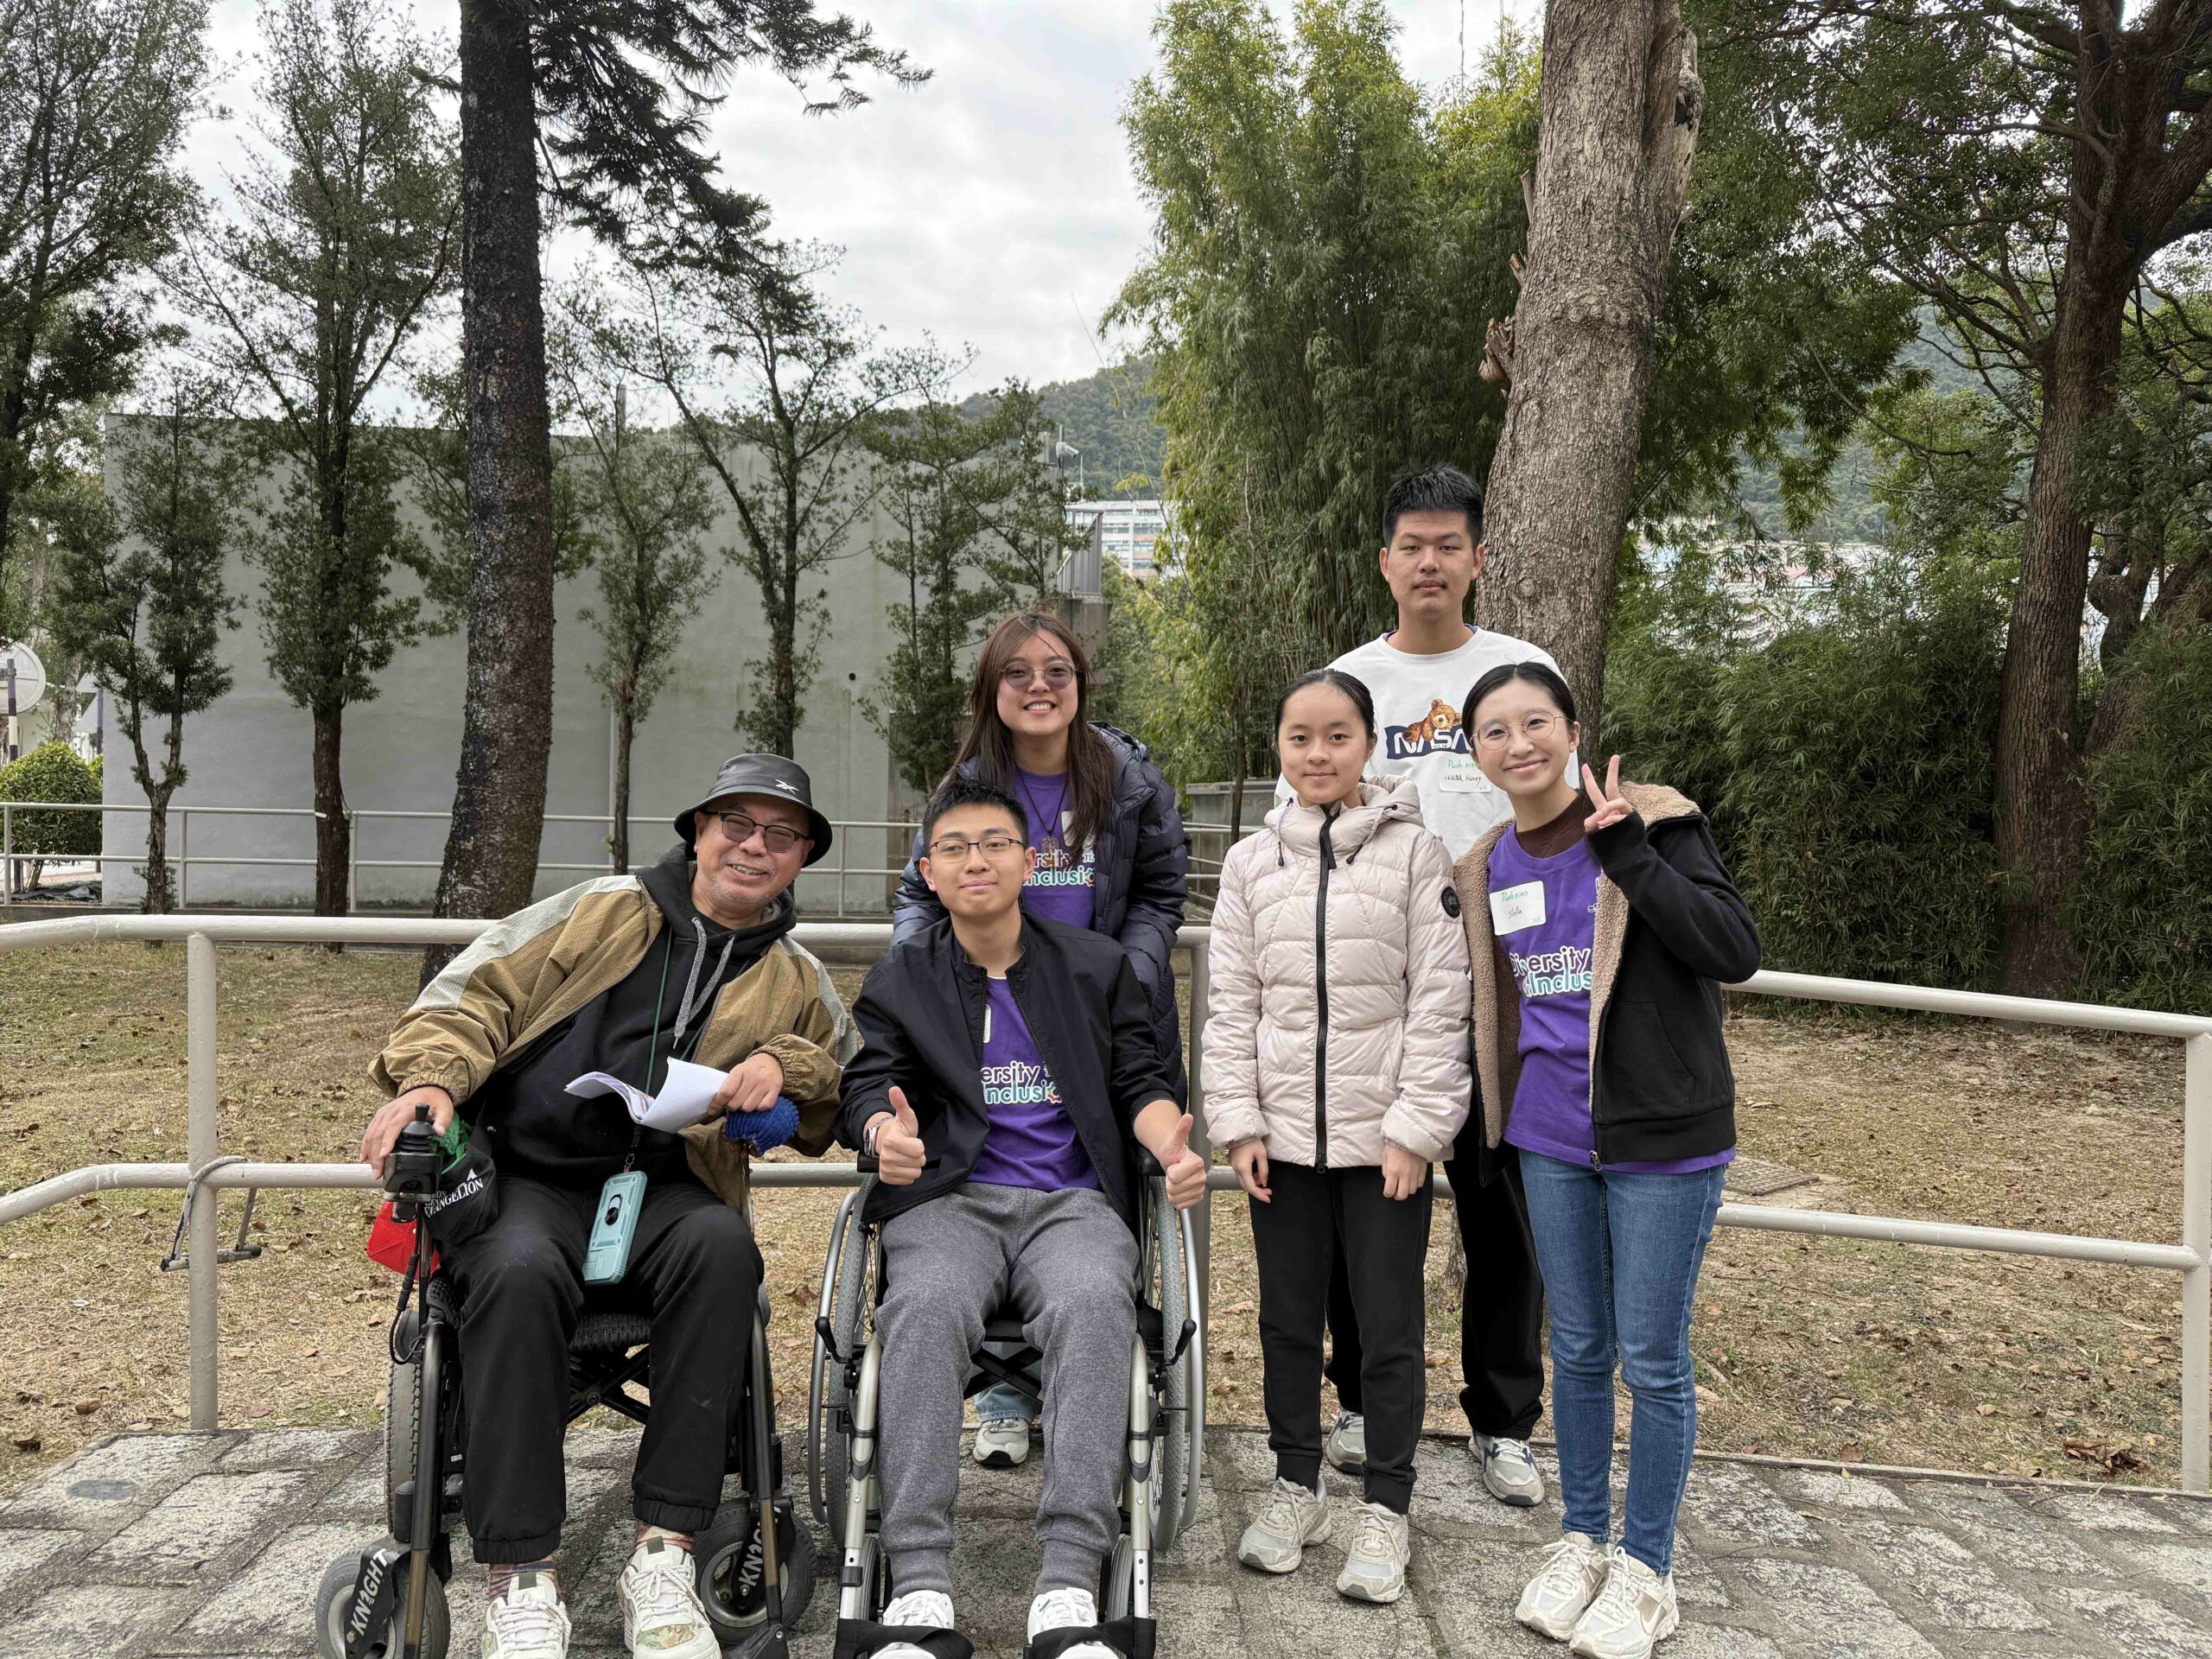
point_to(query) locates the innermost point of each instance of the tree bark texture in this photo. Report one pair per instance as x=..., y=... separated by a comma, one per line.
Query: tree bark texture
x=1621, y=102
x=333, y=830
x=625, y=726
x=158, y=886
x=499, y=811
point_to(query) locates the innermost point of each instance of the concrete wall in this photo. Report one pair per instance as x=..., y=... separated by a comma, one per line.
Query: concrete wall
x=252, y=747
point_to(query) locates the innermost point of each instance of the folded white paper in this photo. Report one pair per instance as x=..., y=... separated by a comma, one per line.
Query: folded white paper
x=687, y=1095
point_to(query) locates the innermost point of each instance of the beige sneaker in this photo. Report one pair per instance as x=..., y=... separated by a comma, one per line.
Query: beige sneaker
x=1002, y=1443
x=1564, y=1586
x=1375, y=1565
x=1295, y=1517
x=928, y=1609
x=1346, y=1445
x=529, y=1621
x=1632, y=1614
x=662, y=1615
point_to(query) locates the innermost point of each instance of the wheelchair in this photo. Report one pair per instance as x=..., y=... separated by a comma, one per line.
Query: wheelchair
x=1167, y=1431
x=388, y=1600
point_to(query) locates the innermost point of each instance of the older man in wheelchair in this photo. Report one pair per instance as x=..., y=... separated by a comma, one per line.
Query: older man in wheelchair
x=1006, y=1079
x=627, y=976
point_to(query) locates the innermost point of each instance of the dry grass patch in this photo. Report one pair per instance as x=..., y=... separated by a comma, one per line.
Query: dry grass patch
x=1804, y=1347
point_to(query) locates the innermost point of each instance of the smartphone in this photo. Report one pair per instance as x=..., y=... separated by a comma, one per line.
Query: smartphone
x=607, y=1257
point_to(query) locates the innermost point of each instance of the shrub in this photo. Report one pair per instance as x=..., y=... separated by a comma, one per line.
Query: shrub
x=52, y=771
x=2142, y=911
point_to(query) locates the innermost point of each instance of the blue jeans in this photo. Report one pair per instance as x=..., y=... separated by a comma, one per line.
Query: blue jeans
x=1620, y=1255
x=1002, y=1403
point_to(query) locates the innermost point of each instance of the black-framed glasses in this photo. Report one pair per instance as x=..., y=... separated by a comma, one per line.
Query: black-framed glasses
x=953, y=848
x=1058, y=676
x=779, y=837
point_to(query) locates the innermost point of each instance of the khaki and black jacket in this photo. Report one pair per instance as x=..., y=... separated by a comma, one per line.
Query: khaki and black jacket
x=527, y=974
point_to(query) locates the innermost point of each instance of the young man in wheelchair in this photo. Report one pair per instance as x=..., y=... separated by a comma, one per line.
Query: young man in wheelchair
x=688, y=960
x=1007, y=1072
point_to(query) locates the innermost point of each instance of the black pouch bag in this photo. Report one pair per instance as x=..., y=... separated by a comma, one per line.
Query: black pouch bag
x=467, y=1200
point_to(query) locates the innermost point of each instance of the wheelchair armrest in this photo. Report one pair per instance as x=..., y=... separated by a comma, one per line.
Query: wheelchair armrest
x=1148, y=1167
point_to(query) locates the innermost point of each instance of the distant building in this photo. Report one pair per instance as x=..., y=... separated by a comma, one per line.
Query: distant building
x=1129, y=533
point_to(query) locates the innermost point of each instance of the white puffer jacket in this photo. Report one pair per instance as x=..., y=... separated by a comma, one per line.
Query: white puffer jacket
x=1338, y=1013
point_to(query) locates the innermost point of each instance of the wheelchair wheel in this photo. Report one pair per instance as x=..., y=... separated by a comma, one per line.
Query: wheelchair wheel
x=728, y=1555
x=844, y=1304
x=1180, y=1416
x=403, y=1418
x=333, y=1606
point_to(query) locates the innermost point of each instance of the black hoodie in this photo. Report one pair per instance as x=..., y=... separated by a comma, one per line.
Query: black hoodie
x=535, y=1128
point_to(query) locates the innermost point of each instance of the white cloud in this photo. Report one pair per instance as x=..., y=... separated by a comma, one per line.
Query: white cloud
x=993, y=206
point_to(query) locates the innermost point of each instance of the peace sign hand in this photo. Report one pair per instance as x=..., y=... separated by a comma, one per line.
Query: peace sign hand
x=1611, y=806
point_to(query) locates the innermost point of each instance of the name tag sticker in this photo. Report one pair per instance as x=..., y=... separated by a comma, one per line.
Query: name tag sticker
x=1512, y=909
x=1461, y=776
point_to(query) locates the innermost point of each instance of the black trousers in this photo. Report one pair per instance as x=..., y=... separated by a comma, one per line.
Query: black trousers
x=693, y=1265
x=1337, y=1221
x=1502, y=1320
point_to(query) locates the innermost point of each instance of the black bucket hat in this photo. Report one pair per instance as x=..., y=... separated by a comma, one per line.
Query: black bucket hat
x=763, y=775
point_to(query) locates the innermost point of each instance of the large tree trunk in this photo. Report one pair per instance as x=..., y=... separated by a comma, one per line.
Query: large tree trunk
x=333, y=831
x=498, y=809
x=625, y=726
x=1620, y=107
x=2042, y=811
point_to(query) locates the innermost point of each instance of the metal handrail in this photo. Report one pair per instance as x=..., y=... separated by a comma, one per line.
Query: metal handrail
x=2191, y=1258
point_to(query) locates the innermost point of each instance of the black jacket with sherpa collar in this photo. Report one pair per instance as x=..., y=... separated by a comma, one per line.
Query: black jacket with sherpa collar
x=1670, y=931
x=920, y=1016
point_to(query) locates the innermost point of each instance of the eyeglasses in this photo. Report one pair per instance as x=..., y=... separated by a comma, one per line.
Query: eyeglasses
x=1493, y=733
x=953, y=848
x=1055, y=675
x=780, y=838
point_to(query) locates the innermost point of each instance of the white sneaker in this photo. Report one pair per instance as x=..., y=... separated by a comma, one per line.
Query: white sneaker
x=1002, y=1443
x=1564, y=1586
x=1060, y=1610
x=661, y=1616
x=1508, y=1471
x=529, y=1621
x=1375, y=1565
x=928, y=1609
x=1295, y=1517
x=1346, y=1447
x=1636, y=1611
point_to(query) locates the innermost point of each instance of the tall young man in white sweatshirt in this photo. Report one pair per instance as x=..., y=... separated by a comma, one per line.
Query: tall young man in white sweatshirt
x=1420, y=673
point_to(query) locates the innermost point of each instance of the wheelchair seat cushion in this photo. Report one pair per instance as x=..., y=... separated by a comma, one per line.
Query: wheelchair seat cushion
x=610, y=1329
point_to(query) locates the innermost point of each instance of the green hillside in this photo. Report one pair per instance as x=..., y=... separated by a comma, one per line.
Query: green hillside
x=1108, y=418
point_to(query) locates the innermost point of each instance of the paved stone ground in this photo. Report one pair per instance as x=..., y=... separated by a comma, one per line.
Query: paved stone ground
x=212, y=1545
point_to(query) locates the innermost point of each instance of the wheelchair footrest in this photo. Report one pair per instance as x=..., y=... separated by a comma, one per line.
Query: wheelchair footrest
x=1130, y=1637
x=857, y=1638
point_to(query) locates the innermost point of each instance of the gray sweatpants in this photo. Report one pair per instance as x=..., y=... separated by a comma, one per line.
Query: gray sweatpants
x=1067, y=1263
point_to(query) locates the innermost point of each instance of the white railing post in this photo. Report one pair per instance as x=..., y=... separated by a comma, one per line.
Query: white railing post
x=352, y=861
x=7, y=851
x=2196, y=1281
x=202, y=1132
x=183, y=855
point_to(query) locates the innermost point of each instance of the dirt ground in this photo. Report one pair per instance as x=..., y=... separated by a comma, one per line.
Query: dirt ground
x=1858, y=1352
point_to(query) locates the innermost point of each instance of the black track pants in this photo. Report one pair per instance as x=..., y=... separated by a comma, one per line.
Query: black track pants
x=693, y=1263
x=1326, y=1219
x=1501, y=1322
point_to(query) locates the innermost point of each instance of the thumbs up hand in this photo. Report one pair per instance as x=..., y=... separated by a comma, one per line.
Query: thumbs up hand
x=899, y=1151
x=1186, y=1171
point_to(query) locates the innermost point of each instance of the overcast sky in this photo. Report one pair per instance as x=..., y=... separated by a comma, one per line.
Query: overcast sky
x=993, y=206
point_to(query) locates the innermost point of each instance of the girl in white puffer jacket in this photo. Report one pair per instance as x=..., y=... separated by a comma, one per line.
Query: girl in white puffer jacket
x=1336, y=1067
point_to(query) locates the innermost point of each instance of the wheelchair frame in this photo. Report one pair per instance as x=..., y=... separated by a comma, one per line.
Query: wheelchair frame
x=388, y=1601
x=1165, y=1454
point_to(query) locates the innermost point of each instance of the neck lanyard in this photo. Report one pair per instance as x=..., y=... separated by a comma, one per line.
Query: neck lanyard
x=1059, y=807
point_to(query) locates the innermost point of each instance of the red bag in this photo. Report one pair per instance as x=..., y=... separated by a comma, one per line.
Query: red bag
x=392, y=1241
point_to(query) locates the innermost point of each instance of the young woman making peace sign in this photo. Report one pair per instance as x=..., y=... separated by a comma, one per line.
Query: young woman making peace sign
x=1601, y=927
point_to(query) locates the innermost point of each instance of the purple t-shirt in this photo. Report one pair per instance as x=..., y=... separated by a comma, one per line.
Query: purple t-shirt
x=1031, y=1141
x=1060, y=888
x=1544, y=911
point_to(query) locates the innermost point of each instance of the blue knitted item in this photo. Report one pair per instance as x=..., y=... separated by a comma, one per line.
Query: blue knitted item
x=766, y=1130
